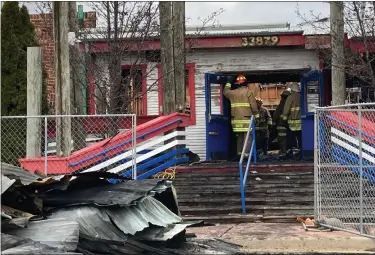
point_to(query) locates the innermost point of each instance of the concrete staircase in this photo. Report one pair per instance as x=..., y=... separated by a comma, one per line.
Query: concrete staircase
x=271, y=195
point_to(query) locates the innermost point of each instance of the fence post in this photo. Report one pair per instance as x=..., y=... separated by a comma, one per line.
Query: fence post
x=360, y=169
x=45, y=145
x=316, y=164
x=134, y=146
x=34, y=102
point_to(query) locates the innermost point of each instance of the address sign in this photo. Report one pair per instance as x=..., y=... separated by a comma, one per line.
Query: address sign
x=260, y=41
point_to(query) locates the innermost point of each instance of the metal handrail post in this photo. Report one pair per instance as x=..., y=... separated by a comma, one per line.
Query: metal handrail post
x=243, y=176
x=254, y=143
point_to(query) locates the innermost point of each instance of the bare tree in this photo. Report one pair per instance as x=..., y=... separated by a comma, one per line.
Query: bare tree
x=359, y=25
x=126, y=27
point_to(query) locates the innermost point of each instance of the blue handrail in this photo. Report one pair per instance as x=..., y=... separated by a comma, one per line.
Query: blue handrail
x=253, y=152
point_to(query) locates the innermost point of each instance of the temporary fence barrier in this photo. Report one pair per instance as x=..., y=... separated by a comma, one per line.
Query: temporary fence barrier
x=345, y=167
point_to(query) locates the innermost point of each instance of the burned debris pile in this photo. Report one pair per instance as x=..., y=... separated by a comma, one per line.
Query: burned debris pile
x=87, y=214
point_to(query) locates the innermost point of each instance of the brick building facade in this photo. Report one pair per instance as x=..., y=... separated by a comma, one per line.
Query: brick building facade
x=43, y=24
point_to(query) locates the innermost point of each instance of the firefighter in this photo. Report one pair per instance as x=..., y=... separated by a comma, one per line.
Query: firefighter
x=280, y=128
x=291, y=117
x=243, y=106
x=263, y=128
x=255, y=89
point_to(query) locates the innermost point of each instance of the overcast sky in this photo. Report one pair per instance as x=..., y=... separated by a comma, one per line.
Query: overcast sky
x=247, y=12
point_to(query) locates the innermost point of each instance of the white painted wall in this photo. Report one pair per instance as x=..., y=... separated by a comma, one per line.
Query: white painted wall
x=215, y=60
x=237, y=60
x=152, y=89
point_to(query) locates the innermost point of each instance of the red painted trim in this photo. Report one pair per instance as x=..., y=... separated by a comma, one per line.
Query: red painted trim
x=91, y=79
x=199, y=43
x=358, y=46
x=61, y=165
x=191, y=80
x=143, y=68
x=235, y=42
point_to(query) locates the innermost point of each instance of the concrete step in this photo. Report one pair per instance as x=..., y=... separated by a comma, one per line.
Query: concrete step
x=251, y=186
x=252, y=209
x=258, y=192
x=243, y=218
x=230, y=201
x=215, y=195
x=229, y=174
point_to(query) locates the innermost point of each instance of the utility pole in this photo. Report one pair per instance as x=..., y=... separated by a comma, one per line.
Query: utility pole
x=62, y=78
x=76, y=81
x=167, y=63
x=178, y=10
x=34, y=101
x=338, y=58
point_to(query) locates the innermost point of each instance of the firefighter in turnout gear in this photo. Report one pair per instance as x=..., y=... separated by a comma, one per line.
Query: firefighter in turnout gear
x=291, y=117
x=281, y=129
x=263, y=128
x=243, y=106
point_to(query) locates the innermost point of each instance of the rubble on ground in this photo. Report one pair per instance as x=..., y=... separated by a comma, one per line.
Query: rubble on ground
x=88, y=214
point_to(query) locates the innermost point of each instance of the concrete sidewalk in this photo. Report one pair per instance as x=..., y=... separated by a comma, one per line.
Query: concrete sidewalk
x=278, y=238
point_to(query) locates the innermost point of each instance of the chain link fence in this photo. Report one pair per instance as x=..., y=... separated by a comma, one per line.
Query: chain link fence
x=54, y=145
x=345, y=167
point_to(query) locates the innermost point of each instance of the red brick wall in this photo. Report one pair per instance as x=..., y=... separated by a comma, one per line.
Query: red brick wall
x=43, y=24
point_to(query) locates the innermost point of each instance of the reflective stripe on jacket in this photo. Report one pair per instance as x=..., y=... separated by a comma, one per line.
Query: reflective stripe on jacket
x=292, y=111
x=243, y=106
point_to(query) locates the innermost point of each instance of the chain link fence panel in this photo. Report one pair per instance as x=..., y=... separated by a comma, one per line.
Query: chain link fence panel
x=345, y=167
x=54, y=145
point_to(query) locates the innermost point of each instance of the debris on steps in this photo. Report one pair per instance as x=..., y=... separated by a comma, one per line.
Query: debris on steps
x=271, y=195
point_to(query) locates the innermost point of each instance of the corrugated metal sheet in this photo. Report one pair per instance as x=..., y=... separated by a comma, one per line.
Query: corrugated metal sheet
x=59, y=233
x=93, y=222
x=317, y=28
x=14, y=217
x=18, y=173
x=106, y=222
x=17, y=245
x=136, y=218
x=122, y=194
x=6, y=183
x=222, y=30
x=161, y=233
x=225, y=32
x=96, y=246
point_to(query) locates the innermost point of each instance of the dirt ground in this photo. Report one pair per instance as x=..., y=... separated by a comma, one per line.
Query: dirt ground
x=281, y=237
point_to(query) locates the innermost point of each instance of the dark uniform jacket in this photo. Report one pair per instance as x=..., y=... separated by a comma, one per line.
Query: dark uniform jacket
x=265, y=120
x=276, y=118
x=243, y=106
x=292, y=111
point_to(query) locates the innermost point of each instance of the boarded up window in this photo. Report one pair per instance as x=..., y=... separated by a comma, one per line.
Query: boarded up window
x=131, y=92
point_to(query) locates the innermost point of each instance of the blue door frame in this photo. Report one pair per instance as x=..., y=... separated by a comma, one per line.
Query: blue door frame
x=217, y=121
x=308, y=117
